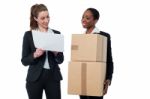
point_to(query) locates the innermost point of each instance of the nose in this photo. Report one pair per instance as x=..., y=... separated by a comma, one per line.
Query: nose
x=83, y=19
x=46, y=20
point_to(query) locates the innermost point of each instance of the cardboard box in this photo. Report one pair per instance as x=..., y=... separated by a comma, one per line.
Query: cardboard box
x=86, y=78
x=88, y=47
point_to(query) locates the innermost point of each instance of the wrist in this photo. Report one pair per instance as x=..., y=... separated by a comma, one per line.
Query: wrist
x=34, y=55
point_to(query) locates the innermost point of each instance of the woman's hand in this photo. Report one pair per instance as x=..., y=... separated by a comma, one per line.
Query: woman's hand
x=55, y=53
x=39, y=52
x=106, y=84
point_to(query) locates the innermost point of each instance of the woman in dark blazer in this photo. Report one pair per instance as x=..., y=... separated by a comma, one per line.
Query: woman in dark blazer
x=43, y=72
x=89, y=20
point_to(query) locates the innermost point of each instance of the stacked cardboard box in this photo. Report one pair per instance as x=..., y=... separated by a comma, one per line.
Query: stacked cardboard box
x=88, y=64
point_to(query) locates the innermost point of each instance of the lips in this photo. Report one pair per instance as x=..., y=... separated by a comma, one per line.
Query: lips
x=84, y=23
x=45, y=25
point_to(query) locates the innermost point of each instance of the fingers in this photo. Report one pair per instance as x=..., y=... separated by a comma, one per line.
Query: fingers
x=106, y=84
x=105, y=89
x=55, y=53
x=38, y=52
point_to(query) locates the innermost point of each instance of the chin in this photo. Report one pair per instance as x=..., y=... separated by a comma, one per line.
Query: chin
x=84, y=26
x=46, y=27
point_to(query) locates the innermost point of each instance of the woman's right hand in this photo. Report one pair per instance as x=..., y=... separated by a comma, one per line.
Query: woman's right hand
x=39, y=52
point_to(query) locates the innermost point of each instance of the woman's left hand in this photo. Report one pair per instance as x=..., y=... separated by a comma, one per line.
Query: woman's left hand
x=55, y=53
x=106, y=84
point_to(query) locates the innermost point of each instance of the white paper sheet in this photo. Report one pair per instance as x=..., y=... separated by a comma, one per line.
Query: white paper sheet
x=49, y=41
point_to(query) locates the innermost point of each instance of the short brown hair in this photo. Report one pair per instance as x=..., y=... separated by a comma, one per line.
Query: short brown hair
x=35, y=9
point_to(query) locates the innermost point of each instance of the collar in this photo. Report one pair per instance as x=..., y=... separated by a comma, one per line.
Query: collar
x=48, y=31
x=95, y=30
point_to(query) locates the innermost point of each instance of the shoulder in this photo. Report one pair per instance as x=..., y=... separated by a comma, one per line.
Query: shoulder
x=55, y=31
x=104, y=34
x=27, y=34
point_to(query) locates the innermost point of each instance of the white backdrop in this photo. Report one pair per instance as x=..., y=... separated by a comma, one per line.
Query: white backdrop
x=127, y=21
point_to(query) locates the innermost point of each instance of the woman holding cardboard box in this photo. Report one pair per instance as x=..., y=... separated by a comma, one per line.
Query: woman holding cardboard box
x=89, y=20
x=44, y=72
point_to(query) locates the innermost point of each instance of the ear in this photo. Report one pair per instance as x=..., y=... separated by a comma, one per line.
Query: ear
x=35, y=19
x=95, y=21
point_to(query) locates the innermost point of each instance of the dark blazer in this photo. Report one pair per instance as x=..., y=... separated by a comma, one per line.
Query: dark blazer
x=109, y=64
x=36, y=65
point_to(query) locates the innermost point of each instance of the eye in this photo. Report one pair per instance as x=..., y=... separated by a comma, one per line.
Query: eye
x=47, y=16
x=42, y=18
x=87, y=18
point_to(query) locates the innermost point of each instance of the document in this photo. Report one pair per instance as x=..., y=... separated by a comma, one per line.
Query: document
x=48, y=41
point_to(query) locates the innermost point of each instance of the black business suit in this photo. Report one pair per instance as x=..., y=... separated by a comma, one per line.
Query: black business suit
x=38, y=76
x=109, y=64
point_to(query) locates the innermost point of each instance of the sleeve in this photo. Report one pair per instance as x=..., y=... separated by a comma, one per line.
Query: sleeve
x=110, y=67
x=59, y=58
x=27, y=54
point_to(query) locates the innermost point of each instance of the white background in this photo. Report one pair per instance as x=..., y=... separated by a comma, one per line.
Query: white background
x=127, y=21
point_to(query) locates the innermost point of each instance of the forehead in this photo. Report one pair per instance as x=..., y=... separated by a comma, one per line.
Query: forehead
x=43, y=13
x=88, y=13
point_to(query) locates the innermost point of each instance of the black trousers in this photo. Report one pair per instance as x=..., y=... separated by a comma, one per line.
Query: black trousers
x=90, y=97
x=45, y=82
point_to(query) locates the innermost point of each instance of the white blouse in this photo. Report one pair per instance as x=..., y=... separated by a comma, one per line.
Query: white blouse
x=95, y=30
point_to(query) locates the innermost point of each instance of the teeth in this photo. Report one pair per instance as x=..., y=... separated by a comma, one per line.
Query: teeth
x=84, y=24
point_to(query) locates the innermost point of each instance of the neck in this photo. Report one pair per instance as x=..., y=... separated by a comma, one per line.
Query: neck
x=89, y=30
x=43, y=29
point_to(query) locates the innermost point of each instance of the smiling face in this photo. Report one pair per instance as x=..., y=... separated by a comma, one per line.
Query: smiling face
x=43, y=19
x=88, y=20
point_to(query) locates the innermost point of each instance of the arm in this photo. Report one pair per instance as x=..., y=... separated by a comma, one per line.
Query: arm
x=27, y=54
x=109, y=70
x=59, y=57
